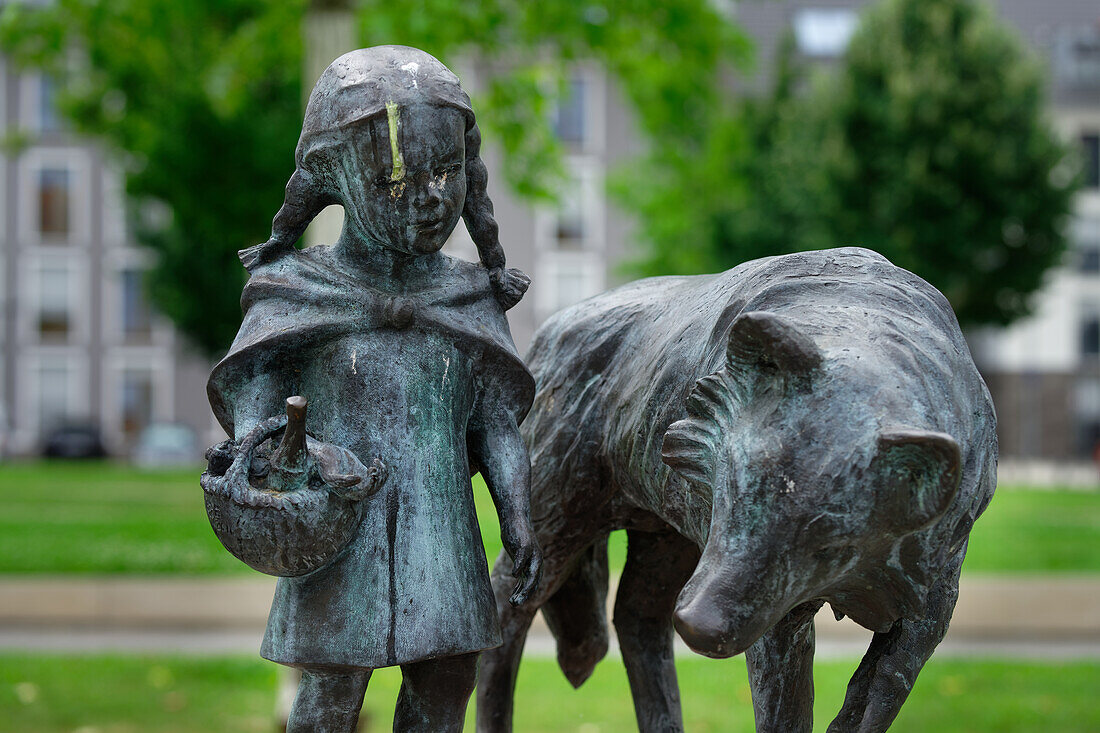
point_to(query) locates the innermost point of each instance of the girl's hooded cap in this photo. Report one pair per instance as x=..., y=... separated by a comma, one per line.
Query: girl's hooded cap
x=358, y=86
x=361, y=85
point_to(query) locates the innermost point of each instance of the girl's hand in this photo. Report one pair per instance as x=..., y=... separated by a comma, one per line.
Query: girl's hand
x=526, y=564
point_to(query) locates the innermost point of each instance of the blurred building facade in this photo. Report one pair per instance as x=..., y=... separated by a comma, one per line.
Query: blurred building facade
x=79, y=343
x=1044, y=371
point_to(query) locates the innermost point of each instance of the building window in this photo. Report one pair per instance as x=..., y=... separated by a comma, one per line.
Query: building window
x=824, y=32
x=1086, y=408
x=567, y=278
x=54, y=202
x=1089, y=259
x=114, y=208
x=1076, y=54
x=1090, y=439
x=1091, y=160
x=137, y=316
x=136, y=400
x=54, y=320
x=569, y=285
x=570, y=228
x=569, y=118
x=1090, y=336
x=575, y=223
x=53, y=191
x=48, y=121
x=54, y=404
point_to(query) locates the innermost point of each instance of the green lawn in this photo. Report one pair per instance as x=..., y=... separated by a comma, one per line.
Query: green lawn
x=160, y=695
x=111, y=518
x=105, y=518
x=1037, y=531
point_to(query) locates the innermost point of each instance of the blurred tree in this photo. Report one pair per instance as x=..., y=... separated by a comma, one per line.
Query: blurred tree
x=203, y=98
x=929, y=145
x=747, y=191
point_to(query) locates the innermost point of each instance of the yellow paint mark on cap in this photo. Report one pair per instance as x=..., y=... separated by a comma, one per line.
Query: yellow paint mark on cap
x=393, y=116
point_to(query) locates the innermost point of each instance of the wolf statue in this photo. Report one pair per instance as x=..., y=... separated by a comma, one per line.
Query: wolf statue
x=799, y=430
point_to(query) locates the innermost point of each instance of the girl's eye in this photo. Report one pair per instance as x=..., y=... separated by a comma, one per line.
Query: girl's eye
x=449, y=170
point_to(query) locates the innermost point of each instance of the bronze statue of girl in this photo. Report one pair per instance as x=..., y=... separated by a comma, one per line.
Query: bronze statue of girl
x=405, y=358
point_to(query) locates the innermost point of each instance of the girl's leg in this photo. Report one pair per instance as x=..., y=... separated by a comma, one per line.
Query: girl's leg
x=434, y=694
x=328, y=702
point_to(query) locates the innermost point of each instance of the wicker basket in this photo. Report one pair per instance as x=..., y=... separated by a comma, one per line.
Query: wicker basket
x=280, y=533
x=292, y=526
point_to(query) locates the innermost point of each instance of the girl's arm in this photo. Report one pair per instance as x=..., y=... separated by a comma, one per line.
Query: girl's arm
x=495, y=442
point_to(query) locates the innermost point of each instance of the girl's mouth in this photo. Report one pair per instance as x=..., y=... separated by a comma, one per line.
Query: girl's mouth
x=428, y=225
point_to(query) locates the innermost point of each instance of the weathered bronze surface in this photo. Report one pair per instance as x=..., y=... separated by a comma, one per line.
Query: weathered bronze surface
x=800, y=430
x=412, y=382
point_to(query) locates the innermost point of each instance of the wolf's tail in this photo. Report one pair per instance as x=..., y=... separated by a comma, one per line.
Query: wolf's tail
x=577, y=615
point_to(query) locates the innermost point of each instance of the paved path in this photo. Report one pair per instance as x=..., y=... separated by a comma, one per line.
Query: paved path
x=188, y=642
x=996, y=616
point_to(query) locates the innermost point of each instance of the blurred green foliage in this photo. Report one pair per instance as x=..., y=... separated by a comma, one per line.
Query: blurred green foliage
x=166, y=694
x=203, y=98
x=929, y=145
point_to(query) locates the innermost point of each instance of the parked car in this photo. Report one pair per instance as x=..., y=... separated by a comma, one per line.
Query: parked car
x=166, y=444
x=77, y=440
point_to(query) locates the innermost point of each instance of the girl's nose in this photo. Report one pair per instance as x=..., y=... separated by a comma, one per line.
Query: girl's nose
x=427, y=192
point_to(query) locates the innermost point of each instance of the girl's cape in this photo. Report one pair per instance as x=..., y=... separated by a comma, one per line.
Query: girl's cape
x=301, y=301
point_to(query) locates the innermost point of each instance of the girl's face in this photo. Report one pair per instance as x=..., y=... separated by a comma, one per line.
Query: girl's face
x=407, y=193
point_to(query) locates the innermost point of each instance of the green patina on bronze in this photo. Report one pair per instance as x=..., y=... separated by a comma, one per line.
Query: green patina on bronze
x=800, y=430
x=403, y=380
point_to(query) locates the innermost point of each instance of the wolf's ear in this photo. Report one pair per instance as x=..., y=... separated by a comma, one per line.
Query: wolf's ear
x=763, y=350
x=692, y=446
x=764, y=341
x=916, y=474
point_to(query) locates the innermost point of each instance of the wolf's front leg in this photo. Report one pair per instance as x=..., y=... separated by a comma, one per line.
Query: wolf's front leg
x=781, y=673
x=886, y=675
